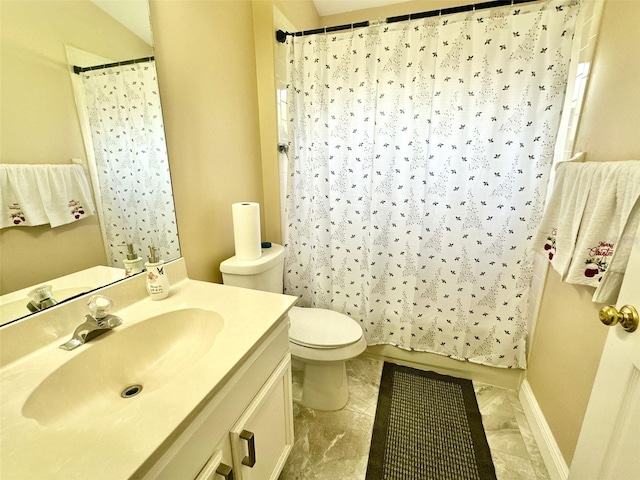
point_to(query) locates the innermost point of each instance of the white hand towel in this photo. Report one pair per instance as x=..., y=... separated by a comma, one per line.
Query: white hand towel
x=20, y=203
x=39, y=194
x=556, y=237
x=65, y=193
x=614, y=191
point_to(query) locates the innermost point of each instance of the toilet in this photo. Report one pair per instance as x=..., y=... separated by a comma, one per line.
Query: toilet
x=320, y=340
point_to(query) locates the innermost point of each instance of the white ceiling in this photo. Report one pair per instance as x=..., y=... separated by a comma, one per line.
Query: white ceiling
x=332, y=7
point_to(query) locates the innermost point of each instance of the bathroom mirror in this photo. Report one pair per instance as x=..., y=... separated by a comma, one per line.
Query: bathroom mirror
x=40, y=124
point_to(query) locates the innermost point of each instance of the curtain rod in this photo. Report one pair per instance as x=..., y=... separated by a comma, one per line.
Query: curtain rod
x=281, y=35
x=79, y=70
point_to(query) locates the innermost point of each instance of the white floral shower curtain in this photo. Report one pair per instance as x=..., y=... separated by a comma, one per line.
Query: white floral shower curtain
x=418, y=167
x=125, y=115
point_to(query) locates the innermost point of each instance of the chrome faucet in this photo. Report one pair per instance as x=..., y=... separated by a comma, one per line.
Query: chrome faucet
x=94, y=325
x=41, y=298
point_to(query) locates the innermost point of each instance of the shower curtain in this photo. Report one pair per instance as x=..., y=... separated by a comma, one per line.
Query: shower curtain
x=127, y=132
x=418, y=164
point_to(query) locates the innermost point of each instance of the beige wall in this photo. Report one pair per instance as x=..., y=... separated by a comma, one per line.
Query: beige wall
x=564, y=357
x=264, y=28
x=207, y=69
x=610, y=121
x=569, y=338
x=303, y=15
x=39, y=123
x=393, y=10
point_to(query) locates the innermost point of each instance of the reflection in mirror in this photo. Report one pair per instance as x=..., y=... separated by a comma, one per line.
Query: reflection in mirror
x=53, y=116
x=130, y=167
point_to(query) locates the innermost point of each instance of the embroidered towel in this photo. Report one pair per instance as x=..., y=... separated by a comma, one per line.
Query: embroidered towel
x=558, y=232
x=609, y=287
x=38, y=194
x=21, y=204
x=613, y=193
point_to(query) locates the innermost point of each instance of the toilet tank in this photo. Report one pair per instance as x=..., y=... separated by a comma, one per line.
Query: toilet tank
x=264, y=273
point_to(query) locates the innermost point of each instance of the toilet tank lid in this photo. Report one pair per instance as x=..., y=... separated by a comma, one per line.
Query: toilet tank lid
x=270, y=257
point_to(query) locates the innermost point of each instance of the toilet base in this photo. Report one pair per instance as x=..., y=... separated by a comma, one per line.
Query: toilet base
x=324, y=386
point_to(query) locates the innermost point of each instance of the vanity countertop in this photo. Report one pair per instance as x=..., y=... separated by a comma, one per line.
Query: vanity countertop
x=115, y=442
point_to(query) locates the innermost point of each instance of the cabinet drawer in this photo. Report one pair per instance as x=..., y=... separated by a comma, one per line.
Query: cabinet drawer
x=221, y=461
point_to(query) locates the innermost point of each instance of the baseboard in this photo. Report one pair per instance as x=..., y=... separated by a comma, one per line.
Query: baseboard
x=510, y=378
x=553, y=459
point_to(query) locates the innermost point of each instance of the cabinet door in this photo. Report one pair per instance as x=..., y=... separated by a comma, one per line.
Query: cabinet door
x=263, y=436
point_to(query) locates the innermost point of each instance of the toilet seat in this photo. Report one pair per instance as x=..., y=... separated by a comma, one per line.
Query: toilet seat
x=321, y=328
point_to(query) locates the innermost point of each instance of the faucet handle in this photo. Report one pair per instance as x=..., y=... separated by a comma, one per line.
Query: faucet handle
x=41, y=298
x=99, y=306
x=41, y=293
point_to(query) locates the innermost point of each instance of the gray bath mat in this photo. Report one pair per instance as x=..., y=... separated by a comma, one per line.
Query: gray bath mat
x=427, y=427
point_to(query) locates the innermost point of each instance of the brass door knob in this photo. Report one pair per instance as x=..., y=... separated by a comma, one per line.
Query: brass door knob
x=627, y=317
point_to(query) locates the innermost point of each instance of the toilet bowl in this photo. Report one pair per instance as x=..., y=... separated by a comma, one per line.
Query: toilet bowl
x=320, y=340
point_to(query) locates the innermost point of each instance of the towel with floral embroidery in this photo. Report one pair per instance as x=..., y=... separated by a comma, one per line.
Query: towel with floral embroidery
x=558, y=231
x=607, y=229
x=609, y=286
x=39, y=194
x=590, y=224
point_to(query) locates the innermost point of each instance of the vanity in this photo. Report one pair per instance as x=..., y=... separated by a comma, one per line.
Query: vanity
x=196, y=386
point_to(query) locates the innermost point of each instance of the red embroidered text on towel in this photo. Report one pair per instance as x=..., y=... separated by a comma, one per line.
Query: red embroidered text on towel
x=603, y=199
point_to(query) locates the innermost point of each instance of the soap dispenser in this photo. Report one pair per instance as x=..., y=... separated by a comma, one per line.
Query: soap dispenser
x=133, y=263
x=157, y=280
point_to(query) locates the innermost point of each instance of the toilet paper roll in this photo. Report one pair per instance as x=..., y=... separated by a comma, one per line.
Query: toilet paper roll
x=246, y=230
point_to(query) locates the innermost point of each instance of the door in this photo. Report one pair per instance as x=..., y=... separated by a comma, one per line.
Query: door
x=608, y=444
x=263, y=437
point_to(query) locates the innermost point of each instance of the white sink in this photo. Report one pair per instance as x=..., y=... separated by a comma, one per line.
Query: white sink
x=151, y=353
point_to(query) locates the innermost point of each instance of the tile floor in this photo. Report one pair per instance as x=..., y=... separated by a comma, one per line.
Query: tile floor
x=335, y=445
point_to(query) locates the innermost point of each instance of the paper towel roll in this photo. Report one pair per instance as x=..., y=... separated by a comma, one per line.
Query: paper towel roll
x=246, y=230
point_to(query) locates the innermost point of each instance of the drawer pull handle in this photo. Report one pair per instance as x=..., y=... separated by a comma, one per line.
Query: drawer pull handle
x=225, y=470
x=249, y=460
